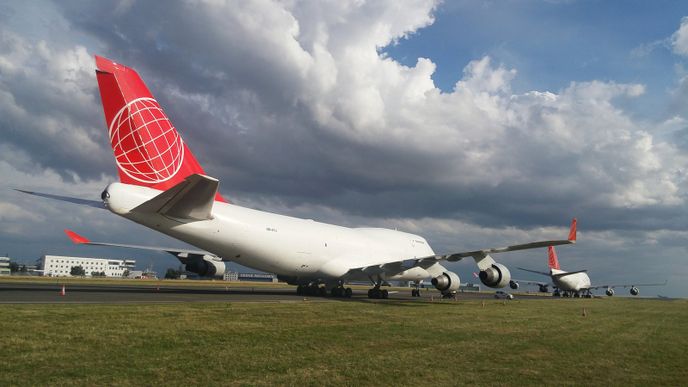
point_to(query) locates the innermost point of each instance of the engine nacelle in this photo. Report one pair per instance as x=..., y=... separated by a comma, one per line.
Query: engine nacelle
x=543, y=288
x=447, y=282
x=513, y=285
x=610, y=292
x=495, y=276
x=205, y=266
x=634, y=291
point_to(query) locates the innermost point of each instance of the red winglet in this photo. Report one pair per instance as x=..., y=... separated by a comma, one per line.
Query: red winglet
x=76, y=238
x=572, y=233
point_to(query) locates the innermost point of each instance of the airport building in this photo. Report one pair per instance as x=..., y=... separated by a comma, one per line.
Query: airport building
x=61, y=266
x=5, y=266
x=251, y=277
x=469, y=287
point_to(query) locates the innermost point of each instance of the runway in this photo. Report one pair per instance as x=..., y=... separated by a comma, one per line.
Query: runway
x=50, y=293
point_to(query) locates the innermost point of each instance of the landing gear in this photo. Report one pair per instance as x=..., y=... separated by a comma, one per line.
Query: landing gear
x=451, y=295
x=415, y=292
x=378, y=293
x=313, y=289
x=556, y=294
x=341, y=291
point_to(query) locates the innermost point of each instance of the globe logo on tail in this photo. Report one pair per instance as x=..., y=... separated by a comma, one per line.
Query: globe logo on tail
x=147, y=147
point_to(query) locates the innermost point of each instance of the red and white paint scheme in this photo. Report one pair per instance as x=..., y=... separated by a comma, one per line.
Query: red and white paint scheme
x=163, y=187
x=574, y=283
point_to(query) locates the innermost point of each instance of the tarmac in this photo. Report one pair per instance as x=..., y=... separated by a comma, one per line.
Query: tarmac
x=50, y=293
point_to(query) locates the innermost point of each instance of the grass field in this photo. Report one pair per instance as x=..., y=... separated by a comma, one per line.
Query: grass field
x=620, y=341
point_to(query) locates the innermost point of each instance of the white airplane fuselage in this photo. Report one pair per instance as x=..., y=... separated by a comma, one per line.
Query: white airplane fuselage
x=301, y=249
x=570, y=283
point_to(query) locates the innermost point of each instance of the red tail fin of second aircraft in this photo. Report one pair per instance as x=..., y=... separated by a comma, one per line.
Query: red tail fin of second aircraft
x=553, y=261
x=148, y=149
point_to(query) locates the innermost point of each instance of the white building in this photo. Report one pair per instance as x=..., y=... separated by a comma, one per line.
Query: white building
x=61, y=266
x=231, y=276
x=249, y=277
x=4, y=266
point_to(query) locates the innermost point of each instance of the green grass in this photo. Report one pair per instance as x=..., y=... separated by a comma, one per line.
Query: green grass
x=621, y=341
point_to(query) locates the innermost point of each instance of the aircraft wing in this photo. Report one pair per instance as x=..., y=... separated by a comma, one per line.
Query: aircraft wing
x=624, y=285
x=81, y=240
x=83, y=202
x=482, y=257
x=528, y=282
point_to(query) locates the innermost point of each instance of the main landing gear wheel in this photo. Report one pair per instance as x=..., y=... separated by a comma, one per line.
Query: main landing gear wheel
x=378, y=293
x=340, y=291
x=313, y=290
x=415, y=292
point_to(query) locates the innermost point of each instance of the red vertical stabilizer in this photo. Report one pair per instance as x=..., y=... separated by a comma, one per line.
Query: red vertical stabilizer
x=553, y=261
x=148, y=149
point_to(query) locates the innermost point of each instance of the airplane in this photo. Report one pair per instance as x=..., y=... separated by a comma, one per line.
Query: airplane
x=163, y=187
x=573, y=283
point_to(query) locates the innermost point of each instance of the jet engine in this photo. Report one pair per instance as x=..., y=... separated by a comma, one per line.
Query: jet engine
x=205, y=266
x=634, y=291
x=496, y=276
x=513, y=285
x=610, y=292
x=544, y=289
x=447, y=282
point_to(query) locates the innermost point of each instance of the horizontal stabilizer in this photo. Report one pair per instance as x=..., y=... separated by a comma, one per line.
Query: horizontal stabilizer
x=568, y=273
x=82, y=240
x=533, y=271
x=192, y=199
x=69, y=199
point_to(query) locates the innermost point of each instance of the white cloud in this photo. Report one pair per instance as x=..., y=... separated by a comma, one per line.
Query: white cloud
x=295, y=107
x=679, y=40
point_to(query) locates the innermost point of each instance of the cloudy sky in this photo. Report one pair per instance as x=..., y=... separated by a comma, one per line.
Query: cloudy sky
x=474, y=124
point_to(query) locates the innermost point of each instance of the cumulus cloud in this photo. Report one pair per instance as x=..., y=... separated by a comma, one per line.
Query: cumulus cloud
x=296, y=108
x=679, y=40
x=47, y=105
x=311, y=111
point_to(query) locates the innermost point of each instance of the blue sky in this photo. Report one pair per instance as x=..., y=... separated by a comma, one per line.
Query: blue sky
x=551, y=44
x=484, y=124
x=554, y=43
